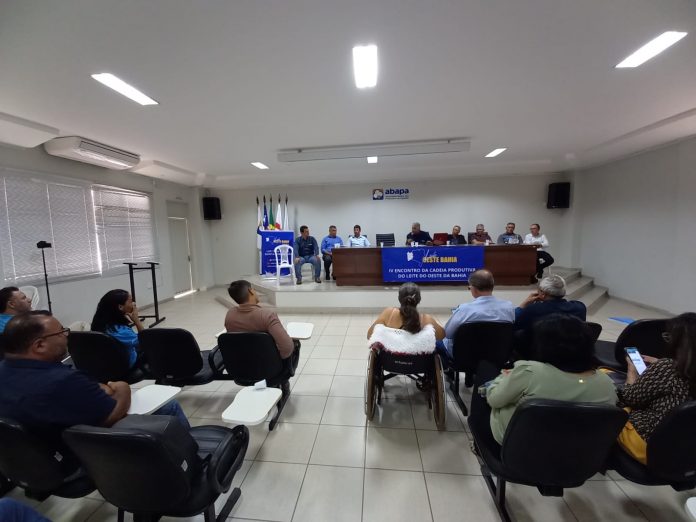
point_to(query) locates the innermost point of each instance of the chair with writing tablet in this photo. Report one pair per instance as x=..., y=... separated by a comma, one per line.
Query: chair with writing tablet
x=284, y=255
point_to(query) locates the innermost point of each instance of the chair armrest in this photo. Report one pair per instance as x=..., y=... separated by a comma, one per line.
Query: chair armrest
x=234, y=446
x=219, y=366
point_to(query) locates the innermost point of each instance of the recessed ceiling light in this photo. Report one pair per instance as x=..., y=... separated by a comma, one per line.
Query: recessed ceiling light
x=259, y=165
x=372, y=159
x=651, y=49
x=121, y=87
x=365, y=65
x=496, y=152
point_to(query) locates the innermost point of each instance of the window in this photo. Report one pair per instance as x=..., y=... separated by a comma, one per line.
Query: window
x=124, y=226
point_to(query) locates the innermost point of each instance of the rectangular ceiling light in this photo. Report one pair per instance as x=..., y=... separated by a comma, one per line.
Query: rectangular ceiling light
x=651, y=49
x=365, y=66
x=405, y=148
x=121, y=87
x=260, y=165
x=372, y=159
x=496, y=152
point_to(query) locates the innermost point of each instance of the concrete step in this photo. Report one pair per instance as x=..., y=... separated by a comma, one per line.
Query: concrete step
x=576, y=288
x=595, y=298
x=569, y=274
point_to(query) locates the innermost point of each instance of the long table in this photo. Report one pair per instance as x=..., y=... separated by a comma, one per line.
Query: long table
x=510, y=265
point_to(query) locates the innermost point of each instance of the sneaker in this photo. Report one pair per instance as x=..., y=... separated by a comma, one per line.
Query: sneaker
x=317, y=280
x=299, y=281
x=333, y=277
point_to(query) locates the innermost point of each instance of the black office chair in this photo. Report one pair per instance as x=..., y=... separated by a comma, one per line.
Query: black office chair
x=386, y=240
x=253, y=356
x=523, y=341
x=645, y=334
x=671, y=453
x=550, y=445
x=475, y=342
x=37, y=467
x=102, y=357
x=151, y=466
x=174, y=358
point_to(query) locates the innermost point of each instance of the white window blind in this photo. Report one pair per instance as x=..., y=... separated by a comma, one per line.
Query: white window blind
x=41, y=210
x=124, y=226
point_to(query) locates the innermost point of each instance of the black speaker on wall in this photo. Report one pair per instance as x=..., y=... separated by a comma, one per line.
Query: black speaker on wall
x=211, y=208
x=559, y=195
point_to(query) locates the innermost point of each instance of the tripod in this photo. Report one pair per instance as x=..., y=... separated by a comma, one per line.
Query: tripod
x=43, y=245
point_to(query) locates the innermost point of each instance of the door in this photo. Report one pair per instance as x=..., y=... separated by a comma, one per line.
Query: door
x=181, y=254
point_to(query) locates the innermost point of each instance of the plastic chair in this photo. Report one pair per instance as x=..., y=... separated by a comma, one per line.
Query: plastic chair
x=284, y=256
x=32, y=293
x=80, y=326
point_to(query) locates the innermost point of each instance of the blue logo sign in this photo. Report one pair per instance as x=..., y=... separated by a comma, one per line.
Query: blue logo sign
x=380, y=194
x=430, y=264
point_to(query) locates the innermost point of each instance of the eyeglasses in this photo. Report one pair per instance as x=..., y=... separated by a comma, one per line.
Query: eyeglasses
x=62, y=331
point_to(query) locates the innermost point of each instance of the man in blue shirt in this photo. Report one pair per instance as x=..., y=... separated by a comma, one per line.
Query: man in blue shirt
x=12, y=302
x=484, y=307
x=306, y=251
x=416, y=235
x=327, y=245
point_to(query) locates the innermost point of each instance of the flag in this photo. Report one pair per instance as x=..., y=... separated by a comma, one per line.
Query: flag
x=271, y=221
x=285, y=215
x=258, y=223
x=279, y=218
x=265, y=214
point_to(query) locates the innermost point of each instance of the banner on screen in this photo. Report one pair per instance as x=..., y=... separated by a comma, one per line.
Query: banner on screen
x=430, y=264
x=269, y=240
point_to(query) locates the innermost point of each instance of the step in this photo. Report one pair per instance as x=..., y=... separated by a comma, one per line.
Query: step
x=578, y=287
x=595, y=298
x=569, y=274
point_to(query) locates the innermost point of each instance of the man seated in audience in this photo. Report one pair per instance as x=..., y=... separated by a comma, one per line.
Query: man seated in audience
x=480, y=237
x=249, y=316
x=416, y=235
x=327, y=246
x=357, y=239
x=306, y=251
x=484, y=307
x=45, y=395
x=12, y=302
x=544, y=259
x=509, y=237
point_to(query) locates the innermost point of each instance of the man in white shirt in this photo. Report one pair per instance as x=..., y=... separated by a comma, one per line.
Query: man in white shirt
x=544, y=259
x=357, y=239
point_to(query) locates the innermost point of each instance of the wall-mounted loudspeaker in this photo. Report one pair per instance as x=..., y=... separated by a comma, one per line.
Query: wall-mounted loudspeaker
x=211, y=208
x=559, y=195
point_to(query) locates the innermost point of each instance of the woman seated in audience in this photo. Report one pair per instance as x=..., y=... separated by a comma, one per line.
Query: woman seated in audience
x=386, y=327
x=115, y=313
x=664, y=385
x=564, y=370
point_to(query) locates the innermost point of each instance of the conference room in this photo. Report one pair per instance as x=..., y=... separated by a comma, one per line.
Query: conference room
x=167, y=149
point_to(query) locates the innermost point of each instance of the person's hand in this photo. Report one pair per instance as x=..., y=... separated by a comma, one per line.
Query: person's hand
x=632, y=373
x=531, y=298
x=409, y=241
x=649, y=359
x=318, y=258
x=133, y=314
x=297, y=260
x=106, y=389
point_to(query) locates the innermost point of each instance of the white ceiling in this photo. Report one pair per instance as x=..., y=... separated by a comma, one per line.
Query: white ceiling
x=239, y=79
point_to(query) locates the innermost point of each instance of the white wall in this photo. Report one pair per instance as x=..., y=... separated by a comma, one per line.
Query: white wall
x=76, y=300
x=635, y=227
x=437, y=205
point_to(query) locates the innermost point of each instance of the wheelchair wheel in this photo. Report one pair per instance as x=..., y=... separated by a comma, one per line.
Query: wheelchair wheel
x=438, y=394
x=370, y=393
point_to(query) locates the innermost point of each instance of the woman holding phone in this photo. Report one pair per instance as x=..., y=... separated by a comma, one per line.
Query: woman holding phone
x=664, y=385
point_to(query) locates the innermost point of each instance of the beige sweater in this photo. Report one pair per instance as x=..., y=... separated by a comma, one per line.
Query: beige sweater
x=253, y=318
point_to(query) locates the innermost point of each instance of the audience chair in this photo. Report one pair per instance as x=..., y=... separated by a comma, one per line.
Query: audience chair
x=151, y=466
x=285, y=258
x=37, y=467
x=523, y=341
x=551, y=445
x=174, y=358
x=386, y=240
x=645, y=334
x=253, y=356
x=671, y=453
x=475, y=342
x=102, y=357
x=33, y=294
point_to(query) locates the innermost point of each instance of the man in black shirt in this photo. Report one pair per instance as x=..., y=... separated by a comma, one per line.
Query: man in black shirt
x=418, y=236
x=306, y=251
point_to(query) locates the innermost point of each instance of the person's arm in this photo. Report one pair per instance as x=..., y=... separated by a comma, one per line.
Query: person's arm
x=121, y=393
x=382, y=319
x=531, y=298
x=501, y=240
x=641, y=389
x=544, y=242
x=488, y=237
x=439, y=330
x=316, y=247
x=409, y=239
x=280, y=336
x=135, y=318
x=297, y=249
x=509, y=387
x=454, y=323
x=428, y=239
x=367, y=241
x=528, y=239
x=325, y=246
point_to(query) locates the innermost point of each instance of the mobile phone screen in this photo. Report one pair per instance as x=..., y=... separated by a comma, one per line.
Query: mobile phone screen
x=636, y=359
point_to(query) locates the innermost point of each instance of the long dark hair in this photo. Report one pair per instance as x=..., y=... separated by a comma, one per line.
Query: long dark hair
x=409, y=297
x=565, y=342
x=682, y=347
x=108, y=313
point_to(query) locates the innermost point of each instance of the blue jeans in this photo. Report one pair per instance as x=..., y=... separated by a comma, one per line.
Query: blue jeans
x=314, y=260
x=445, y=353
x=172, y=408
x=13, y=511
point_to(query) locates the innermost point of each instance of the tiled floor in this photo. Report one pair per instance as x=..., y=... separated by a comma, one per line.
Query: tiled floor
x=323, y=462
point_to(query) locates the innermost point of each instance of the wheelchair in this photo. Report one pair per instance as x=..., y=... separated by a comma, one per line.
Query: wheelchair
x=425, y=369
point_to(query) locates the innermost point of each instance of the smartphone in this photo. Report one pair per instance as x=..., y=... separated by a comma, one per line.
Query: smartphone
x=636, y=359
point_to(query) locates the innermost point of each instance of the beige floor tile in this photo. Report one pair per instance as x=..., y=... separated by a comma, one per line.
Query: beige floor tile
x=601, y=500
x=357, y=340
x=330, y=493
x=331, y=329
x=355, y=367
x=288, y=443
x=330, y=340
x=424, y=418
x=392, y=413
x=320, y=367
x=526, y=504
x=312, y=385
x=303, y=409
x=339, y=446
x=322, y=351
x=392, y=448
x=344, y=411
x=190, y=401
x=447, y=452
x=213, y=406
x=658, y=503
x=347, y=386
x=59, y=509
x=453, y=495
x=395, y=496
x=354, y=352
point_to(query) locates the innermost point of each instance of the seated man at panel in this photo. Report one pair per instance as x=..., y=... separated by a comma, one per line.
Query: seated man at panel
x=249, y=316
x=480, y=237
x=357, y=239
x=544, y=259
x=306, y=251
x=12, y=302
x=484, y=307
x=456, y=238
x=418, y=236
x=327, y=245
x=47, y=396
x=548, y=299
x=509, y=237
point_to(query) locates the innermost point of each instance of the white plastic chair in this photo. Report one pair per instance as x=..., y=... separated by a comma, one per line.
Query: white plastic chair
x=284, y=256
x=32, y=293
x=80, y=326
